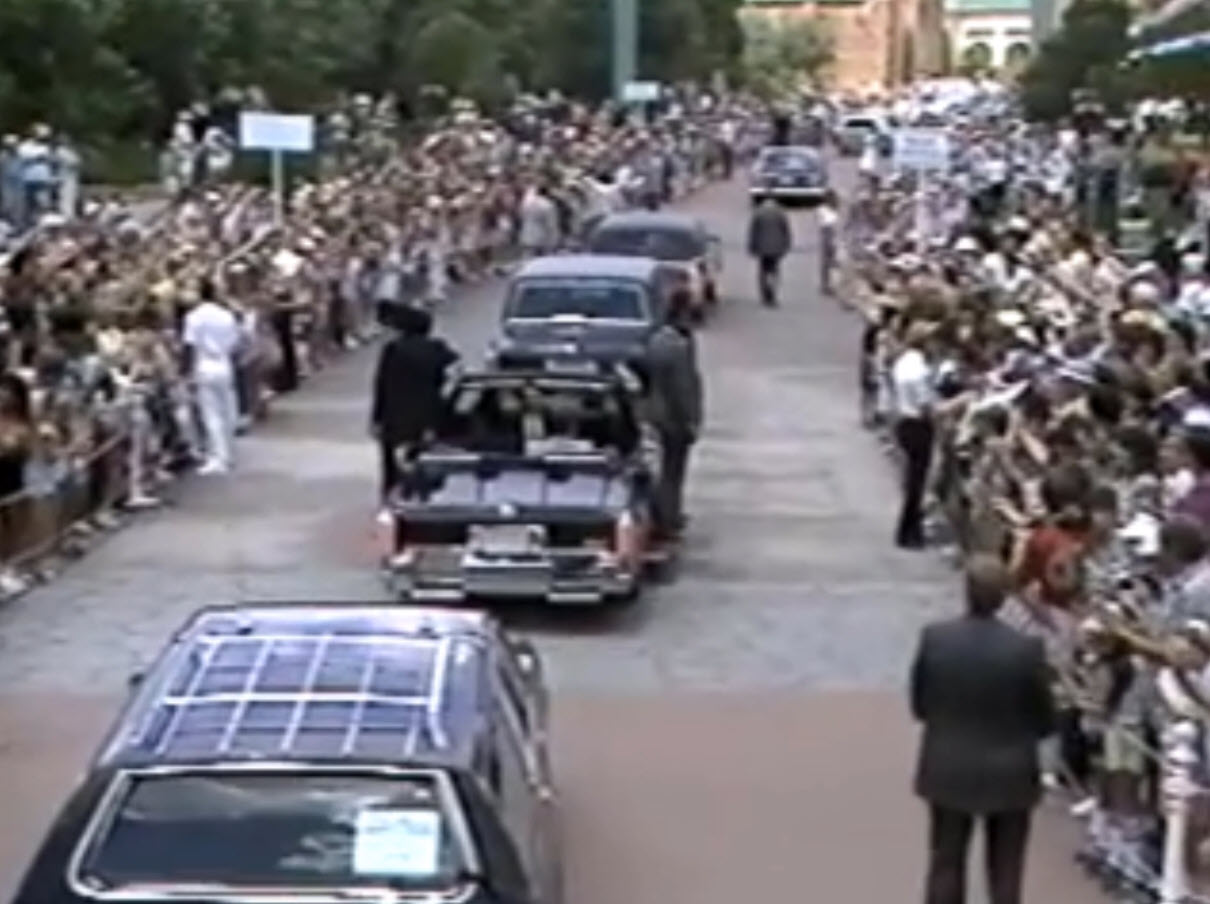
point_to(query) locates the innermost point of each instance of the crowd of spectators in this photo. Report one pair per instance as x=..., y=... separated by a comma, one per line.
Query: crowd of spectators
x=95, y=409
x=1047, y=390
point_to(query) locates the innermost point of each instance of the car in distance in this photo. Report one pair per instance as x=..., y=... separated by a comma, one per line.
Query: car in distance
x=537, y=486
x=693, y=254
x=581, y=313
x=318, y=753
x=789, y=174
x=857, y=130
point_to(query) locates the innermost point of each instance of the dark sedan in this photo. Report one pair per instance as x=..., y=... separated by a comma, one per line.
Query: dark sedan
x=692, y=253
x=790, y=174
x=582, y=313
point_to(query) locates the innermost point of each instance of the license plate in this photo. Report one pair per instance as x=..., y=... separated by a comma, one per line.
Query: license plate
x=504, y=538
x=570, y=366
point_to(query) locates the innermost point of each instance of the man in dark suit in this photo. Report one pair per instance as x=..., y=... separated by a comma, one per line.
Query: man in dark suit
x=769, y=240
x=676, y=408
x=982, y=690
x=408, y=385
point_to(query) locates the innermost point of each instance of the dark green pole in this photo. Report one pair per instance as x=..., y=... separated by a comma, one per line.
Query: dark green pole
x=625, y=44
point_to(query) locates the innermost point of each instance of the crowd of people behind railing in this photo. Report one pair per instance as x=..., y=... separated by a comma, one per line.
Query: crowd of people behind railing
x=1048, y=398
x=97, y=408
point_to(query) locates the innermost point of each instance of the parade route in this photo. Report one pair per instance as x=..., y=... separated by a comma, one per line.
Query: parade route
x=741, y=731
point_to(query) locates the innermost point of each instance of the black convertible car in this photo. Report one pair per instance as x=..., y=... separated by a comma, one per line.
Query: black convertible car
x=537, y=486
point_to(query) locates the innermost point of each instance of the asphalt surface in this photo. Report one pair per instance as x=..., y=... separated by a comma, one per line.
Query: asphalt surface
x=740, y=731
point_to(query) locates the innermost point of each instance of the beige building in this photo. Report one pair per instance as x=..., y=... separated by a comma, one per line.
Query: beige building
x=880, y=44
x=989, y=35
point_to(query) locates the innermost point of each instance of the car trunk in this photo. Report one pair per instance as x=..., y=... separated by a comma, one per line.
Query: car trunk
x=535, y=343
x=574, y=498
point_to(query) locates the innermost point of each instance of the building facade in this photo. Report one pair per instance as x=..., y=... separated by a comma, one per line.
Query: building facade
x=880, y=44
x=994, y=35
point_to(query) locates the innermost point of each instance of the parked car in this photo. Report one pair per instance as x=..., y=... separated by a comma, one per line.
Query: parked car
x=856, y=130
x=789, y=174
x=693, y=254
x=318, y=753
x=537, y=486
x=582, y=313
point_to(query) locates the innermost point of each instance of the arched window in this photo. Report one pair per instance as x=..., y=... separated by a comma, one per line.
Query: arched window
x=1017, y=56
x=976, y=57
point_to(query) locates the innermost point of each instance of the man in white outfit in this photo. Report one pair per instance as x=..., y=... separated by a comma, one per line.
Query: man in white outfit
x=213, y=336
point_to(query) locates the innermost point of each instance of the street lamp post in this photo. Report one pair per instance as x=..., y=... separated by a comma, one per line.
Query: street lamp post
x=625, y=44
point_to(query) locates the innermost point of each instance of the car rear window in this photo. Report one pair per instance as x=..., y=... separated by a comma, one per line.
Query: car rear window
x=788, y=161
x=663, y=244
x=595, y=299
x=268, y=830
x=861, y=124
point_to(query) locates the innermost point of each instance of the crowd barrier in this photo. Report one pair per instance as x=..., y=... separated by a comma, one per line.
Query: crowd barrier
x=1162, y=858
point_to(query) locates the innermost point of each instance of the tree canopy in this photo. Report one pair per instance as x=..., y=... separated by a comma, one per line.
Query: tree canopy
x=122, y=68
x=781, y=56
x=1085, y=53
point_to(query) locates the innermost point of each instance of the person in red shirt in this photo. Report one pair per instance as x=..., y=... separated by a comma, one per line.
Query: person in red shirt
x=1048, y=566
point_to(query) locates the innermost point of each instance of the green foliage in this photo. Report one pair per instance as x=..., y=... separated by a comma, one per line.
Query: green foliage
x=1084, y=54
x=111, y=71
x=781, y=57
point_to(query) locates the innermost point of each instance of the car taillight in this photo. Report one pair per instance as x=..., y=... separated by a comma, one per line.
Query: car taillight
x=389, y=534
x=627, y=540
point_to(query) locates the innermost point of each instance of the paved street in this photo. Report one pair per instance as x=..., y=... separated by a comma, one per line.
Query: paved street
x=740, y=730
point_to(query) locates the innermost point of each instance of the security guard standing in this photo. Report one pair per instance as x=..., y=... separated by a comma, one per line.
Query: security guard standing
x=675, y=386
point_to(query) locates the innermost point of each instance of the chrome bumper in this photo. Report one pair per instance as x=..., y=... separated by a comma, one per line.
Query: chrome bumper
x=789, y=191
x=560, y=576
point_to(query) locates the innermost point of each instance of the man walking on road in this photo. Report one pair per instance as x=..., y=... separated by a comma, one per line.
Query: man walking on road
x=676, y=393
x=769, y=240
x=212, y=337
x=982, y=691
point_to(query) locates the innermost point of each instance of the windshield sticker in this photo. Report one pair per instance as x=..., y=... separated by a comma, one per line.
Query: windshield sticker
x=397, y=843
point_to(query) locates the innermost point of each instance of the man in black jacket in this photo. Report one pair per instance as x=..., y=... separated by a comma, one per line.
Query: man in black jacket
x=769, y=240
x=408, y=387
x=676, y=396
x=982, y=691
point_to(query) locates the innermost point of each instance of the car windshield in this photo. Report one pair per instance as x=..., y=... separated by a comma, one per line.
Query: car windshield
x=861, y=125
x=661, y=243
x=787, y=161
x=273, y=830
x=595, y=299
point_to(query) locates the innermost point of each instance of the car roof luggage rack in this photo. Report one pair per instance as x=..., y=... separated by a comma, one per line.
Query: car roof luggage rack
x=303, y=696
